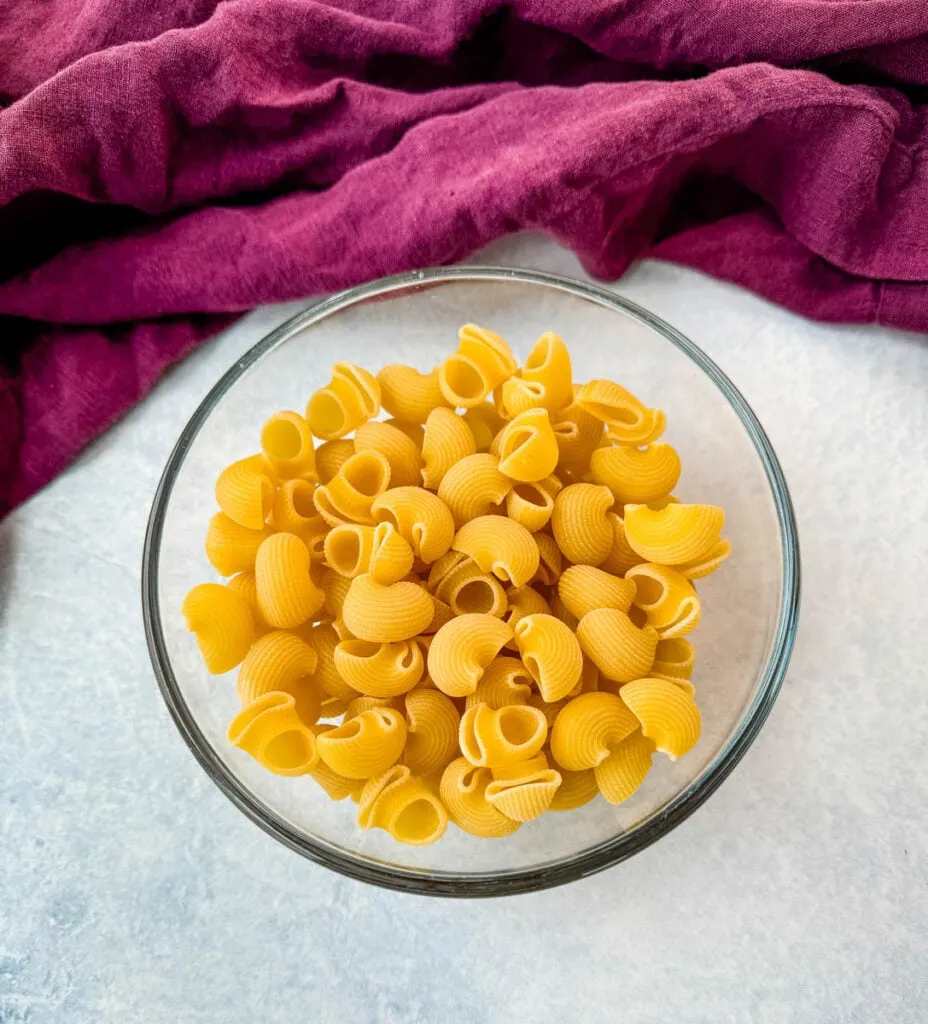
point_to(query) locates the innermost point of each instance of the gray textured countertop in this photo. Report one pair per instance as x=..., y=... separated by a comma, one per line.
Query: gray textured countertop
x=131, y=890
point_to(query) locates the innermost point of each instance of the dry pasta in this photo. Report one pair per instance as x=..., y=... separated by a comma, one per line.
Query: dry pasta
x=331, y=456
x=527, y=447
x=231, y=548
x=674, y=659
x=636, y=474
x=380, y=670
x=524, y=601
x=466, y=589
x=505, y=681
x=336, y=787
x=391, y=556
x=447, y=440
x=551, y=652
x=524, y=791
x=348, y=549
x=675, y=534
x=627, y=420
x=245, y=585
x=397, y=448
x=544, y=381
x=245, y=492
x=578, y=435
x=463, y=792
x=584, y=588
x=404, y=806
x=623, y=771
x=667, y=598
x=294, y=511
x=499, y=546
x=473, y=487
x=270, y=730
x=432, y=723
x=323, y=639
x=287, y=595
x=421, y=518
x=706, y=563
x=576, y=790
x=482, y=362
x=581, y=524
x=384, y=614
x=621, y=557
x=351, y=398
x=496, y=739
x=365, y=745
x=409, y=395
x=667, y=713
x=285, y=663
x=550, y=560
x=615, y=645
x=348, y=496
x=223, y=624
x=531, y=505
x=588, y=728
x=485, y=423
x=462, y=649
x=287, y=443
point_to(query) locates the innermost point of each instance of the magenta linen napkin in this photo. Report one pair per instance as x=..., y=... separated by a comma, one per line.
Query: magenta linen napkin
x=166, y=165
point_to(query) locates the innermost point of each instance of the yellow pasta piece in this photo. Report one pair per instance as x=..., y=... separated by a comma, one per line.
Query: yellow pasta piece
x=674, y=659
x=463, y=793
x=462, y=649
x=505, y=681
x=524, y=601
x=531, y=505
x=667, y=598
x=447, y=440
x=287, y=595
x=404, y=806
x=348, y=496
x=323, y=639
x=335, y=587
x=528, y=448
x=432, y=723
x=668, y=715
x=443, y=613
x=287, y=443
x=351, y=398
x=386, y=614
x=414, y=431
x=637, y=474
x=380, y=670
x=589, y=679
x=707, y=563
x=560, y=611
x=551, y=652
x=625, y=768
x=496, y=739
x=359, y=705
x=223, y=624
x=282, y=662
x=628, y=421
x=482, y=362
x=581, y=523
x=550, y=711
x=396, y=447
x=621, y=557
x=473, y=487
x=578, y=434
x=588, y=728
x=271, y=731
x=550, y=560
x=618, y=648
x=348, y=549
x=500, y=546
x=409, y=395
x=245, y=585
x=391, y=556
x=675, y=534
x=466, y=589
x=245, y=492
x=331, y=456
x=524, y=791
x=485, y=423
x=421, y=518
x=294, y=511
x=366, y=745
x=442, y=570
x=576, y=790
x=231, y=548
x=545, y=381
x=584, y=588
x=336, y=786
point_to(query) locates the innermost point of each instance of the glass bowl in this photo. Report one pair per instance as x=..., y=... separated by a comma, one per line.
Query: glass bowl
x=750, y=606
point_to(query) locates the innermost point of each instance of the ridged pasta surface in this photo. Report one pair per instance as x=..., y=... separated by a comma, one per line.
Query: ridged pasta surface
x=499, y=546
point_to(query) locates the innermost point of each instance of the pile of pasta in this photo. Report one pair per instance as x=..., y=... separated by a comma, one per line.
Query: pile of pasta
x=474, y=610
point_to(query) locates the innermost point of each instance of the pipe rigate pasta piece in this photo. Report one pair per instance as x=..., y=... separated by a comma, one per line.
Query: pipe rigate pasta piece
x=409, y=395
x=366, y=745
x=621, y=557
x=627, y=420
x=396, y=447
x=551, y=652
x=623, y=771
x=668, y=715
x=524, y=791
x=294, y=511
x=358, y=705
x=485, y=423
x=404, y=806
x=348, y=549
x=222, y=622
x=323, y=639
x=576, y=790
x=351, y=398
x=588, y=728
x=675, y=534
x=707, y=563
x=245, y=492
x=467, y=589
x=448, y=439
x=674, y=659
x=472, y=487
x=443, y=613
x=463, y=792
x=505, y=681
x=637, y=474
x=531, y=505
x=384, y=614
x=287, y=443
x=550, y=711
x=421, y=518
x=287, y=595
x=271, y=731
x=618, y=648
x=528, y=448
x=380, y=670
x=578, y=435
x=231, y=548
x=482, y=362
x=282, y=662
x=667, y=598
x=462, y=650
x=245, y=585
x=560, y=611
x=584, y=588
x=550, y=560
x=500, y=546
x=335, y=587
x=414, y=431
x=581, y=524
x=349, y=495
x=496, y=739
x=432, y=723
x=331, y=456
x=524, y=601
x=336, y=786
x=544, y=382
x=391, y=556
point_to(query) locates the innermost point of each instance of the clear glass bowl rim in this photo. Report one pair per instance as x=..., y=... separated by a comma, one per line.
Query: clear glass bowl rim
x=495, y=883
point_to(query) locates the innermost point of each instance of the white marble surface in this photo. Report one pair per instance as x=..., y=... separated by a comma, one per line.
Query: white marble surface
x=131, y=890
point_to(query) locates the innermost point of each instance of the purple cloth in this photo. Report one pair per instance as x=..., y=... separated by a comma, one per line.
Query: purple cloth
x=165, y=165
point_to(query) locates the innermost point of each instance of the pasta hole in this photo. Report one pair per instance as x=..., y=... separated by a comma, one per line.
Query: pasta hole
x=475, y=596
x=417, y=821
x=539, y=355
x=463, y=378
x=408, y=658
x=289, y=750
x=516, y=727
x=366, y=476
x=567, y=430
x=325, y=413
x=345, y=551
x=649, y=592
x=532, y=494
x=519, y=437
x=638, y=616
x=281, y=439
x=301, y=498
